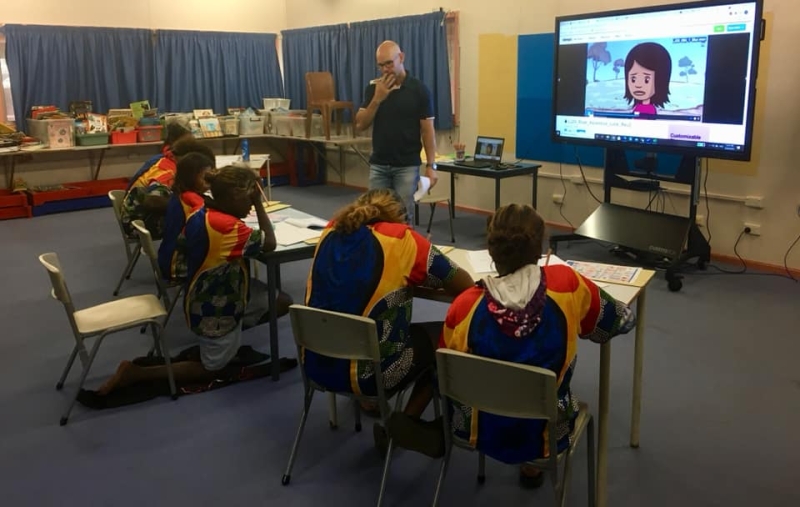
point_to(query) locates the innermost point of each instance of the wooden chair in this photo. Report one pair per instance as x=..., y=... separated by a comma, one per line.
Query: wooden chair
x=321, y=95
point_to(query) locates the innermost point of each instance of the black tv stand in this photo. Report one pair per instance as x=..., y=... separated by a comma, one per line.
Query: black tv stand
x=658, y=240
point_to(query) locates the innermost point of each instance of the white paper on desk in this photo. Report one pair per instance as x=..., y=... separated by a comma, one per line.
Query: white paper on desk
x=288, y=234
x=422, y=188
x=307, y=223
x=481, y=261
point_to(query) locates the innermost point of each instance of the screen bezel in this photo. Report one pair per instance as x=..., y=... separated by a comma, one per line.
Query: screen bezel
x=744, y=155
x=495, y=160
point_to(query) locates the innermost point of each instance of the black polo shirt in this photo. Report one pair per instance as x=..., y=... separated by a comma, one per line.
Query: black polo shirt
x=396, y=134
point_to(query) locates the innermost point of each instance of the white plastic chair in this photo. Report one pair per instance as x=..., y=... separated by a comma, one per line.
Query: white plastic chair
x=131, y=244
x=511, y=390
x=433, y=200
x=99, y=321
x=164, y=287
x=341, y=336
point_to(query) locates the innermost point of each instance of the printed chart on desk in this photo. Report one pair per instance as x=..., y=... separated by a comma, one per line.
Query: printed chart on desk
x=605, y=272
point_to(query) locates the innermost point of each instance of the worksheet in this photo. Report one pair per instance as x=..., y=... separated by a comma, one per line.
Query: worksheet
x=605, y=272
x=288, y=234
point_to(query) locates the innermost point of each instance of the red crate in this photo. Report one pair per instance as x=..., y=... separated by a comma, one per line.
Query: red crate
x=15, y=212
x=9, y=199
x=77, y=190
x=70, y=191
x=123, y=137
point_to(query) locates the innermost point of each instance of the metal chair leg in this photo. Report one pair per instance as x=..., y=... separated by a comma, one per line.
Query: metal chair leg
x=357, y=414
x=385, y=476
x=442, y=475
x=68, y=367
x=430, y=219
x=333, y=414
x=161, y=348
x=126, y=274
x=287, y=475
x=450, y=216
x=87, y=366
x=481, y=468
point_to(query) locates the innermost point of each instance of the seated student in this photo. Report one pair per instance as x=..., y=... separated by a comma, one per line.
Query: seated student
x=221, y=296
x=148, y=196
x=187, y=197
x=175, y=133
x=367, y=262
x=531, y=315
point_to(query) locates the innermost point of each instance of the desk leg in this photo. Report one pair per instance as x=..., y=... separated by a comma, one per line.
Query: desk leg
x=638, y=360
x=534, y=189
x=602, y=425
x=269, y=184
x=453, y=195
x=496, y=194
x=341, y=164
x=272, y=295
x=99, y=163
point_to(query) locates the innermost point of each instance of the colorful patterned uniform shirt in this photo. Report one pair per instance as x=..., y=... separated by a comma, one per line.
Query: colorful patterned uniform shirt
x=172, y=251
x=217, y=246
x=371, y=273
x=572, y=307
x=156, y=181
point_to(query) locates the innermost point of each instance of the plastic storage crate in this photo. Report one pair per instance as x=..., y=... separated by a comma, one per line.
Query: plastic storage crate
x=151, y=134
x=53, y=134
x=92, y=139
x=118, y=137
x=251, y=125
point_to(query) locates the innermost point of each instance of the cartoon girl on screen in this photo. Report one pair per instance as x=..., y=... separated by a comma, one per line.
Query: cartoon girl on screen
x=648, y=68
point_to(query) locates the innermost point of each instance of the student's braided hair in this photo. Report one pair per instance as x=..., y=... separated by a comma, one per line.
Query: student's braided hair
x=232, y=183
x=378, y=205
x=514, y=235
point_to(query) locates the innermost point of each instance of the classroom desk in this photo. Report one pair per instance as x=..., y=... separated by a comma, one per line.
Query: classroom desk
x=627, y=293
x=273, y=261
x=495, y=174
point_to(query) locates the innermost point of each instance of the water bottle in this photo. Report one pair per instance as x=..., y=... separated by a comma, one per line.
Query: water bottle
x=245, y=150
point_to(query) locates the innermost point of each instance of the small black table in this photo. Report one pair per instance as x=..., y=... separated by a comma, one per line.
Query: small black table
x=510, y=171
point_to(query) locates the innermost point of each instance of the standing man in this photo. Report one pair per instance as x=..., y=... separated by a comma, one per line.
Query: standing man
x=400, y=109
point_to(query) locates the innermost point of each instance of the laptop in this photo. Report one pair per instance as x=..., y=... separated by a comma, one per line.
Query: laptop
x=488, y=153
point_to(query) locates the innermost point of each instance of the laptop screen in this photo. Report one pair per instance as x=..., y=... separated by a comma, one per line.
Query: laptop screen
x=489, y=148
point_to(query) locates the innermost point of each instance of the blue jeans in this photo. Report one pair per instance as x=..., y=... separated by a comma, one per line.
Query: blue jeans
x=402, y=180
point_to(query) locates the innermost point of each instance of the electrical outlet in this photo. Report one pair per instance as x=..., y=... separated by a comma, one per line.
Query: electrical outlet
x=558, y=198
x=700, y=220
x=755, y=229
x=754, y=202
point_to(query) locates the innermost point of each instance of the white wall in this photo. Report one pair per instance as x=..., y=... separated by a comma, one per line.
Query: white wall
x=231, y=16
x=777, y=179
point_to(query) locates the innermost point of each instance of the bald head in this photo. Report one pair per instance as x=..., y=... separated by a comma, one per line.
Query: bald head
x=390, y=58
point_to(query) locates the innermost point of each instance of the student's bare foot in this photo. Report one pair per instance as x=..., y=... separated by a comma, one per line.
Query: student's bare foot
x=119, y=379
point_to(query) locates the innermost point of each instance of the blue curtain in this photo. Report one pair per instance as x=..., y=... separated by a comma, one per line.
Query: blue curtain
x=316, y=49
x=112, y=67
x=215, y=70
x=423, y=39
